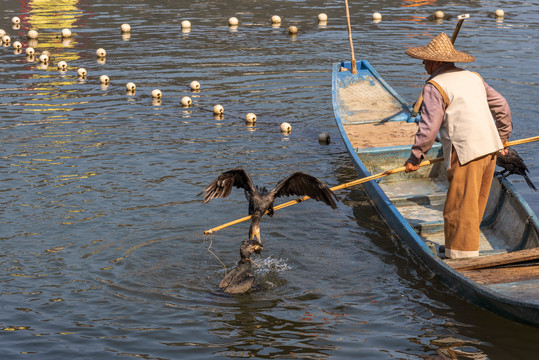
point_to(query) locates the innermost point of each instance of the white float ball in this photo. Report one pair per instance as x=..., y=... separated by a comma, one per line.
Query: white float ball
x=275, y=19
x=101, y=52
x=195, y=85
x=17, y=45
x=32, y=34
x=15, y=20
x=186, y=101
x=218, y=109
x=376, y=16
x=439, y=14
x=285, y=127
x=233, y=21
x=324, y=138
x=104, y=79
x=250, y=118
x=2, y=33
x=125, y=28
x=45, y=52
x=62, y=65
x=293, y=30
x=44, y=58
x=81, y=72
x=156, y=94
x=186, y=24
x=322, y=17
x=499, y=13
x=6, y=39
x=66, y=33
x=130, y=86
x=30, y=51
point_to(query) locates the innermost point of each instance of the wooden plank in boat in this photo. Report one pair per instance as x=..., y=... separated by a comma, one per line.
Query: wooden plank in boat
x=493, y=260
x=381, y=134
x=503, y=275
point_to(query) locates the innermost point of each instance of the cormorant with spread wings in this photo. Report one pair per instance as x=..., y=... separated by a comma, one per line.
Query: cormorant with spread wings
x=260, y=199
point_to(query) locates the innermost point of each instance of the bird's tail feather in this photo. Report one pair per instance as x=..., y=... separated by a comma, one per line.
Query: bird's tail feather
x=529, y=182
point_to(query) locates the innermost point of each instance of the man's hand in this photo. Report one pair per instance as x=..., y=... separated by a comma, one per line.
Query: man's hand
x=410, y=167
x=503, y=151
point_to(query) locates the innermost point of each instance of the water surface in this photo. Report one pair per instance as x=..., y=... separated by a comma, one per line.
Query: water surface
x=100, y=223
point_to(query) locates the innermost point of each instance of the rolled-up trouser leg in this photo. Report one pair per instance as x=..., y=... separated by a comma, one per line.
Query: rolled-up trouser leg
x=469, y=187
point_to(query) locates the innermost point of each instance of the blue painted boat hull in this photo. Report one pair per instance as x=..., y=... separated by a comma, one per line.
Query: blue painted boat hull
x=516, y=230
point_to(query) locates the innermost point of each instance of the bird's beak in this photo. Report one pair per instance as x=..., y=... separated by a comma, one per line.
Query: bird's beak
x=254, y=233
x=258, y=248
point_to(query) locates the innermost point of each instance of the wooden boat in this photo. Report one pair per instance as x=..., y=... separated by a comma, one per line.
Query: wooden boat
x=378, y=131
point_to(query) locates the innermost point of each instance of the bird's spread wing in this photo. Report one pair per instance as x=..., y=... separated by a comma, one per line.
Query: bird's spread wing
x=222, y=186
x=300, y=184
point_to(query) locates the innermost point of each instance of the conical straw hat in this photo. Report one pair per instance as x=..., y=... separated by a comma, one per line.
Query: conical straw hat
x=439, y=49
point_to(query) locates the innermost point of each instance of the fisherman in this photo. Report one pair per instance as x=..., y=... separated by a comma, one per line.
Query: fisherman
x=474, y=121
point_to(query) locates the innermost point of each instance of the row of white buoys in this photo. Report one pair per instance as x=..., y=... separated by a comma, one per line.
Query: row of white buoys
x=376, y=16
x=186, y=101
x=250, y=118
x=66, y=33
x=101, y=53
x=276, y=19
x=32, y=34
x=292, y=30
x=156, y=94
x=62, y=65
x=218, y=109
x=194, y=85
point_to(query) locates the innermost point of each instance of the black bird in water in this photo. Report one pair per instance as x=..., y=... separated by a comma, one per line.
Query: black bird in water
x=512, y=163
x=260, y=199
x=241, y=278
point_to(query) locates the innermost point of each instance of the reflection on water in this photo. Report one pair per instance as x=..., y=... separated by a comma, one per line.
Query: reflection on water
x=101, y=228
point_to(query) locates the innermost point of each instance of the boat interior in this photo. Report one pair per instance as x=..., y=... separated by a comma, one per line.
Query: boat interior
x=509, y=233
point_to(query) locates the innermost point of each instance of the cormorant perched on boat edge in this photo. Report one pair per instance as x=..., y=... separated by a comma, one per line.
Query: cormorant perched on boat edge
x=241, y=278
x=260, y=199
x=512, y=163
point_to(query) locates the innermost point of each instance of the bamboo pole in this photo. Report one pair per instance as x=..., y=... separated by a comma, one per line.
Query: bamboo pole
x=360, y=181
x=353, y=67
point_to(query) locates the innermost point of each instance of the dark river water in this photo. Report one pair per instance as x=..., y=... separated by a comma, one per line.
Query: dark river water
x=102, y=253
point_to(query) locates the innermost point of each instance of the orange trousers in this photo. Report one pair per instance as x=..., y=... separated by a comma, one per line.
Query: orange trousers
x=469, y=187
